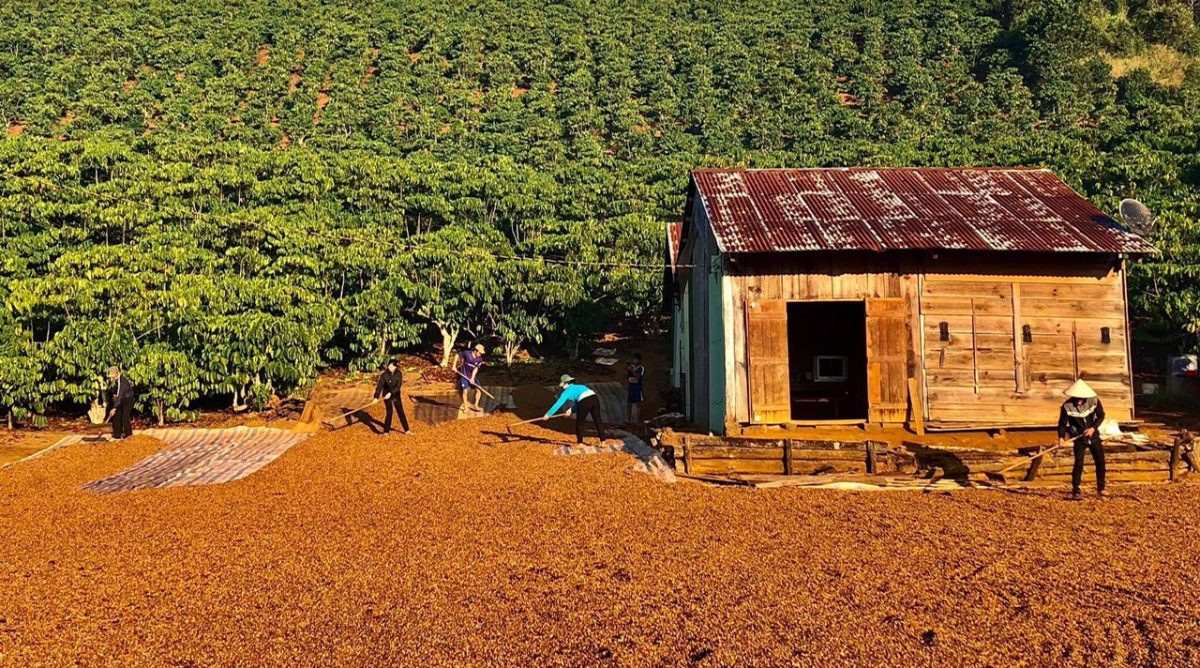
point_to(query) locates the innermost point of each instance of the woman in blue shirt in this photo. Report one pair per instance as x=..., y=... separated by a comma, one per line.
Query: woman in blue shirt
x=583, y=402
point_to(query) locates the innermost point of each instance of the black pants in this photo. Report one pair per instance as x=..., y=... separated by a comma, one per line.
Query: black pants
x=122, y=420
x=1097, y=449
x=399, y=407
x=588, y=406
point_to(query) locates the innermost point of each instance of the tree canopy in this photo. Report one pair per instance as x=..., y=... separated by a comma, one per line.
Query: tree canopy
x=227, y=196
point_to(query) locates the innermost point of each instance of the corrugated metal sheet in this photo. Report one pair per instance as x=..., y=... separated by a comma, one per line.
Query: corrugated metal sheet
x=674, y=236
x=997, y=209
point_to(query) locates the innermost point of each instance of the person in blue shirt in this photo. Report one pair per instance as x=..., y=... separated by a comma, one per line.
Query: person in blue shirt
x=584, y=402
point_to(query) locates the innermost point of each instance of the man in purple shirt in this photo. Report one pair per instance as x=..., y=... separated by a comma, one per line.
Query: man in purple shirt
x=467, y=364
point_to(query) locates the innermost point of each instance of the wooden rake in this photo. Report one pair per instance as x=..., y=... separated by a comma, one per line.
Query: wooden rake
x=329, y=421
x=998, y=476
x=508, y=427
x=477, y=386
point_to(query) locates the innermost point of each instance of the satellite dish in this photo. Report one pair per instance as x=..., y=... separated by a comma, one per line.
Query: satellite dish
x=1138, y=217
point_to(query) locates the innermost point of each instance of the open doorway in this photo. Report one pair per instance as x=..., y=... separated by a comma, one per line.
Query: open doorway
x=827, y=355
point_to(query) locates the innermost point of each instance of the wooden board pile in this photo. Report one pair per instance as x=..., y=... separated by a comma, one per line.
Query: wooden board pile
x=697, y=454
x=1129, y=458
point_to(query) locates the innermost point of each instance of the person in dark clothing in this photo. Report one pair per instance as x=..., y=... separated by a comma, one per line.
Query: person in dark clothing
x=635, y=389
x=1079, y=419
x=120, y=405
x=584, y=402
x=388, y=389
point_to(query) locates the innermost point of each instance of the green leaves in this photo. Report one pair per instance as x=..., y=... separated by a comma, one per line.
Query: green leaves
x=312, y=185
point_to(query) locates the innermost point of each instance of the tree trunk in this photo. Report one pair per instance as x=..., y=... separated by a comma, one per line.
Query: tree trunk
x=237, y=408
x=10, y=418
x=383, y=342
x=511, y=348
x=159, y=408
x=449, y=336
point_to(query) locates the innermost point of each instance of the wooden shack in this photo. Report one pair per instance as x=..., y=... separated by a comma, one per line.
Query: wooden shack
x=969, y=298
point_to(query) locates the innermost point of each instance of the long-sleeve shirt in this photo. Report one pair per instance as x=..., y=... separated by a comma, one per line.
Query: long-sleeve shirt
x=389, y=383
x=122, y=390
x=573, y=394
x=1073, y=421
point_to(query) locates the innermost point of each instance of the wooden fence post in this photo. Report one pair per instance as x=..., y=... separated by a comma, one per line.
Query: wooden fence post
x=1174, y=461
x=1034, y=466
x=871, y=464
x=787, y=456
x=687, y=455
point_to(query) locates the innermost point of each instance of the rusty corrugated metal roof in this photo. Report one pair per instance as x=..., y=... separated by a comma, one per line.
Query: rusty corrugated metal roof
x=674, y=236
x=991, y=209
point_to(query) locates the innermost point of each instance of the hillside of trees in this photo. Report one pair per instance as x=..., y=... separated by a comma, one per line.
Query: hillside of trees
x=227, y=196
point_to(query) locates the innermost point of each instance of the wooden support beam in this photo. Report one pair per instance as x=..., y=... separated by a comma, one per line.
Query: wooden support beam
x=1174, y=461
x=872, y=465
x=687, y=455
x=974, y=349
x=787, y=457
x=916, y=408
x=1033, y=469
x=1020, y=367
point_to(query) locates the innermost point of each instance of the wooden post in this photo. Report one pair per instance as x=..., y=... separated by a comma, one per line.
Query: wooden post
x=974, y=350
x=1075, y=348
x=687, y=455
x=1033, y=469
x=787, y=456
x=1019, y=366
x=871, y=463
x=917, y=408
x=1174, y=460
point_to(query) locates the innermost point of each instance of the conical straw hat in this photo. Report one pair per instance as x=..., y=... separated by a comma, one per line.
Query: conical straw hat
x=1080, y=390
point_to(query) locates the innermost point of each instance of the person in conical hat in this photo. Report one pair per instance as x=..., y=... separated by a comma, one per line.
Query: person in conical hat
x=1080, y=390
x=1079, y=421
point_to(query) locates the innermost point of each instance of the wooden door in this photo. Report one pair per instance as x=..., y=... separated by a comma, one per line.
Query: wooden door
x=767, y=361
x=887, y=360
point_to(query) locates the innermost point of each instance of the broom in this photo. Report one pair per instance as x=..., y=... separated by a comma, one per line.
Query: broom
x=998, y=476
x=328, y=421
x=508, y=427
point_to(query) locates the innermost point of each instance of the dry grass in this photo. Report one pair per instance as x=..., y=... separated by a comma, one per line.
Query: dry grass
x=1165, y=65
x=452, y=547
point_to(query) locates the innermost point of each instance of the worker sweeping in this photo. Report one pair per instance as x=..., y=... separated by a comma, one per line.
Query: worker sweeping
x=121, y=404
x=1080, y=419
x=584, y=402
x=467, y=364
x=391, y=381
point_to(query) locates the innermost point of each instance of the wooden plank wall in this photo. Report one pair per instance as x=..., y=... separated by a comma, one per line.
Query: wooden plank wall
x=810, y=277
x=887, y=368
x=698, y=287
x=985, y=372
x=767, y=364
